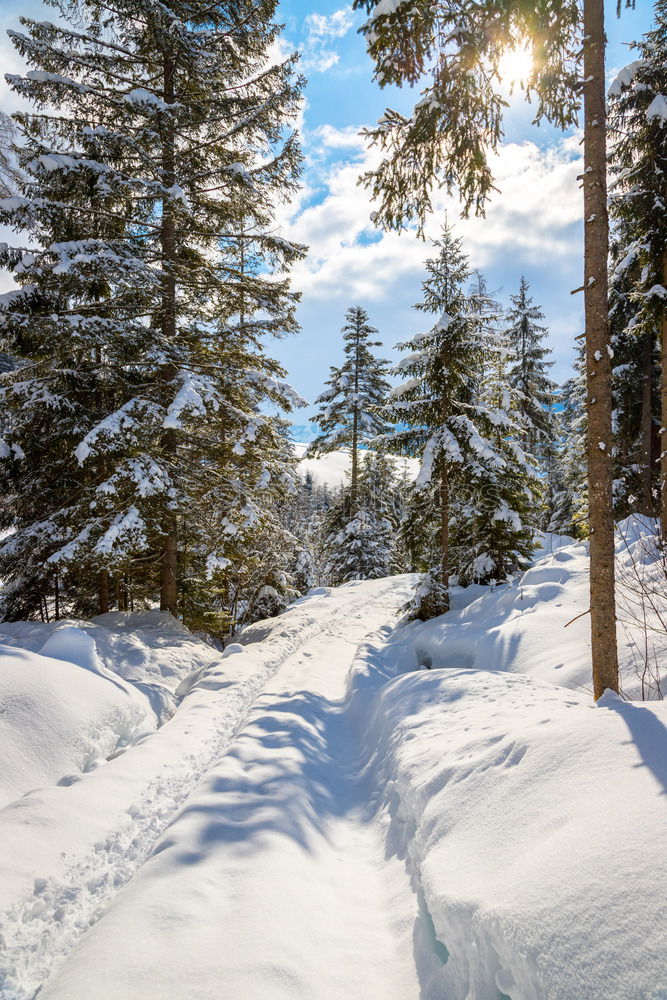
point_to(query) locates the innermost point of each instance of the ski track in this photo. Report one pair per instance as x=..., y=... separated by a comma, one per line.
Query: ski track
x=39, y=932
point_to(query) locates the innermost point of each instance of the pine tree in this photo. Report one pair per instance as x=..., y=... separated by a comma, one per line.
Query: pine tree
x=349, y=415
x=571, y=511
x=527, y=372
x=156, y=146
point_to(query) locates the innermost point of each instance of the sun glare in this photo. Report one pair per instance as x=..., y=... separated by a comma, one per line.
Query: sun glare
x=516, y=65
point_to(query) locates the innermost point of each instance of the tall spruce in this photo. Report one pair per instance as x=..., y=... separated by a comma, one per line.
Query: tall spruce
x=158, y=141
x=348, y=416
x=638, y=165
x=448, y=137
x=527, y=372
x=472, y=480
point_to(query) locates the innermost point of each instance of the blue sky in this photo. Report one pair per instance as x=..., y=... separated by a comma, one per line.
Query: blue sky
x=532, y=227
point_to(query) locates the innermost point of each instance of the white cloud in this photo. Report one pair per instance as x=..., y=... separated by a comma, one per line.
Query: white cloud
x=534, y=213
x=336, y=25
x=321, y=31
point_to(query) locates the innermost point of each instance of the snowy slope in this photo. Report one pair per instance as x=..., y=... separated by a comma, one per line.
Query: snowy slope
x=330, y=470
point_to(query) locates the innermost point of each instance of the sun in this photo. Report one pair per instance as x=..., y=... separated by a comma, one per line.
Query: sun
x=515, y=65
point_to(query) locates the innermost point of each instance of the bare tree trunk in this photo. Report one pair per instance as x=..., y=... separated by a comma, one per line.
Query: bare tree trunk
x=663, y=413
x=56, y=589
x=646, y=505
x=102, y=592
x=598, y=356
x=169, y=564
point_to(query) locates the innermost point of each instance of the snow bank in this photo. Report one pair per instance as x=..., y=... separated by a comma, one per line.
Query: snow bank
x=73, y=694
x=58, y=719
x=531, y=822
x=151, y=650
x=539, y=624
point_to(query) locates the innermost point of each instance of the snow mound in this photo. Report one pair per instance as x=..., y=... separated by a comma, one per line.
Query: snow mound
x=73, y=644
x=59, y=719
x=531, y=821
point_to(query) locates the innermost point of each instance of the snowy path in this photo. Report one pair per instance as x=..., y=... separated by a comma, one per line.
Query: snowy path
x=272, y=880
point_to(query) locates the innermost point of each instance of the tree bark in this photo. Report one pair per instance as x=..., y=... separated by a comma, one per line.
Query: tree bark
x=444, y=536
x=646, y=505
x=169, y=564
x=355, y=431
x=598, y=356
x=663, y=412
x=102, y=592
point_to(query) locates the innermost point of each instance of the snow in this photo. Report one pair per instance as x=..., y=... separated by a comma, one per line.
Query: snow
x=657, y=108
x=330, y=470
x=625, y=77
x=342, y=804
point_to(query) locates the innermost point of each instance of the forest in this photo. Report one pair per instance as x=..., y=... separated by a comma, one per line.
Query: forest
x=273, y=733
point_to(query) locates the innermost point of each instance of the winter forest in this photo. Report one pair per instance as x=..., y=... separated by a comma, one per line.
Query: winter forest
x=365, y=704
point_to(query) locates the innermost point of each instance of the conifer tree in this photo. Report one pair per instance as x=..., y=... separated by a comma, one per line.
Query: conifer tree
x=464, y=443
x=360, y=543
x=571, y=512
x=155, y=145
x=638, y=160
x=528, y=372
x=348, y=416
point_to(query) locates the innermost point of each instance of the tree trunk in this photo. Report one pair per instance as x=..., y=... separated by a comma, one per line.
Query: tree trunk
x=355, y=464
x=56, y=590
x=121, y=593
x=646, y=505
x=102, y=592
x=355, y=429
x=598, y=356
x=169, y=566
x=444, y=536
x=663, y=412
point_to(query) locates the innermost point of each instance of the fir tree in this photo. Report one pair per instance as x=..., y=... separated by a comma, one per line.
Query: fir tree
x=162, y=148
x=464, y=443
x=528, y=372
x=360, y=543
x=349, y=416
x=638, y=160
x=571, y=514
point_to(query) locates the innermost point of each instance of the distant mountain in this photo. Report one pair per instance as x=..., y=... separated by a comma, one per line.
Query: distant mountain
x=303, y=433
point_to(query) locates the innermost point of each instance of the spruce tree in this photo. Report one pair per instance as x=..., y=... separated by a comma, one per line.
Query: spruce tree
x=464, y=441
x=156, y=145
x=360, y=543
x=348, y=416
x=527, y=372
x=638, y=161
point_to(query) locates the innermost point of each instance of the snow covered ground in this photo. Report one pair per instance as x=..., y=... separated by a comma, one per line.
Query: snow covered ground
x=325, y=817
